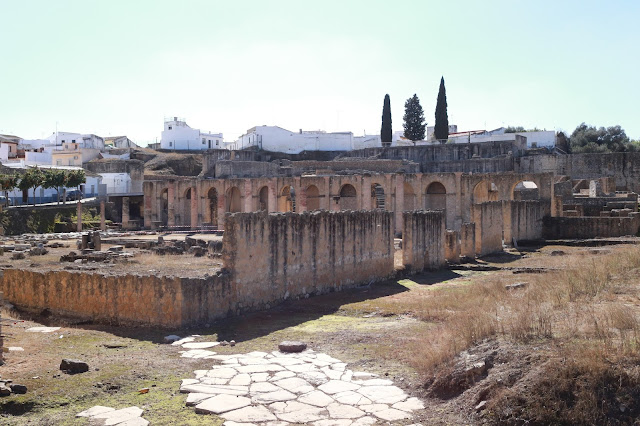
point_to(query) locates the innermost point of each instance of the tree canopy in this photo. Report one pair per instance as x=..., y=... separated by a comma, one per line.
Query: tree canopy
x=589, y=139
x=386, y=133
x=414, y=125
x=520, y=129
x=441, y=129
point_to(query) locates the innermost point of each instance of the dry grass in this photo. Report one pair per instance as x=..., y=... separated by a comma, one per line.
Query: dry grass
x=589, y=303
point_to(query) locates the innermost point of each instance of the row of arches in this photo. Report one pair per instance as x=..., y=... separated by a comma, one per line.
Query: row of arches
x=434, y=197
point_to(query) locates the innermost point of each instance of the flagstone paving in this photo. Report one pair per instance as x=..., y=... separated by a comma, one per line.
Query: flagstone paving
x=277, y=388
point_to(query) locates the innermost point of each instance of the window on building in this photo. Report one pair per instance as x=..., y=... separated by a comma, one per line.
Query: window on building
x=58, y=162
x=75, y=157
x=217, y=143
x=203, y=141
x=62, y=140
x=170, y=143
x=169, y=127
x=73, y=141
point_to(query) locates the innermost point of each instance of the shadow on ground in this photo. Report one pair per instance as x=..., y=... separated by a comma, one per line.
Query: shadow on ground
x=254, y=325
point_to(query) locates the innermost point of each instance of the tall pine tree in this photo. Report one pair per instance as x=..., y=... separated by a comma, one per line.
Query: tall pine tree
x=441, y=130
x=414, y=124
x=385, y=131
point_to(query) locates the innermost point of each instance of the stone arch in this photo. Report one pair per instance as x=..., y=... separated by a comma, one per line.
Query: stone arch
x=164, y=207
x=525, y=190
x=348, y=197
x=263, y=199
x=435, y=196
x=484, y=191
x=286, y=199
x=233, y=204
x=313, y=197
x=409, y=197
x=378, y=197
x=212, y=197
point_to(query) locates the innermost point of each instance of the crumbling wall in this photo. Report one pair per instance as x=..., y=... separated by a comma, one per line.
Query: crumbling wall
x=423, y=245
x=489, y=226
x=452, y=246
x=590, y=227
x=522, y=220
x=246, y=169
x=468, y=240
x=271, y=257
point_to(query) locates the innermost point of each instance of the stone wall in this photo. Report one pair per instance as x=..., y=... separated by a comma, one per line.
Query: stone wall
x=452, y=246
x=267, y=259
x=271, y=257
x=590, y=227
x=623, y=166
x=523, y=220
x=118, y=299
x=488, y=226
x=468, y=240
x=423, y=245
x=247, y=169
x=354, y=165
x=437, y=153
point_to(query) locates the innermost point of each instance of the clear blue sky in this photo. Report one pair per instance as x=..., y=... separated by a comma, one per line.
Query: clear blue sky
x=119, y=67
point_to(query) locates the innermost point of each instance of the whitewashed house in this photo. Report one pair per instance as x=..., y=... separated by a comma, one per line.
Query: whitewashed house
x=277, y=139
x=178, y=135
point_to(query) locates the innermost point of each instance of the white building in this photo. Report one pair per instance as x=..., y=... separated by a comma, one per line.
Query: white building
x=453, y=128
x=277, y=139
x=177, y=135
x=118, y=183
x=542, y=139
x=88, y=141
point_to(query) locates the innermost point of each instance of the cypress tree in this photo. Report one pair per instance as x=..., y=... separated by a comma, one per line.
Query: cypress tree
x=385, y=131
x=441, y=130
x=414, y=124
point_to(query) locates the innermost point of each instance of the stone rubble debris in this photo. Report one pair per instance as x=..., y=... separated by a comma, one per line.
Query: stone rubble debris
x=73, y=366
x=305, y=387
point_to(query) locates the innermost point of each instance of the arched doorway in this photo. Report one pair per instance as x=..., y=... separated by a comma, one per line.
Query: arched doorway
x=525, y=190
x=212, y=196
x=313, y=197
x=233, y=200
x=164, y=207
x=435, y=197
x=377, y=196
x=186, y=217
x=263, y=199
x=409, y=198
x=348, y=197
x=286, y=200
x=485, y=191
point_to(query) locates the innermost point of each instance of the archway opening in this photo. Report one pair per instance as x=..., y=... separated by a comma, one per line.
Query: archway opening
x=186, y=219
x=348, y=197
x=164, y=207
x=233, y=200
x=485, y=191
x=435, y=197
x=286, y=200
x=313, y=197
x=263, y=199
x=377, y=196
x=409, y=198
x=212, y=196
x=525, y=190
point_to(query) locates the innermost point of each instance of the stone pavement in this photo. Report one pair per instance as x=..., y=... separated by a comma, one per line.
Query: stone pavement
x=275, y=389
x=99, y=415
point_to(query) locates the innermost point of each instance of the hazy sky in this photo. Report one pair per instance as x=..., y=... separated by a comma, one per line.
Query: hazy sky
x=119, y=67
